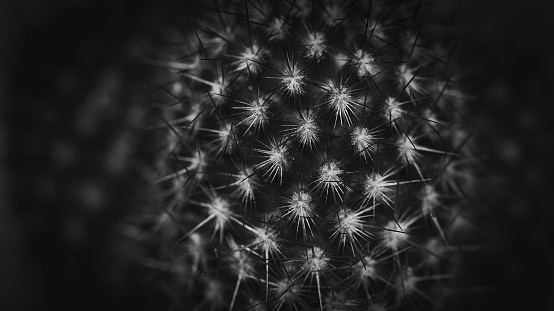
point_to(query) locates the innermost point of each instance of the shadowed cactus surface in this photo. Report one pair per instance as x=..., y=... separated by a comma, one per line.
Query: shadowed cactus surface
x=311, y=155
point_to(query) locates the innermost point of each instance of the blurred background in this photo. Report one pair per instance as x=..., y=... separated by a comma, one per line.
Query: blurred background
x=73, y=105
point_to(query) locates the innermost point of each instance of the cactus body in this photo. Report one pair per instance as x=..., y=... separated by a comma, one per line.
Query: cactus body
x=313, y=155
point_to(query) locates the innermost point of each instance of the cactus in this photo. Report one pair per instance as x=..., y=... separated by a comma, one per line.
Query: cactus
x=311, y=155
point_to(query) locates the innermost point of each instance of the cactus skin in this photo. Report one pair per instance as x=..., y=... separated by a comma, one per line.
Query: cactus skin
x=313, y=155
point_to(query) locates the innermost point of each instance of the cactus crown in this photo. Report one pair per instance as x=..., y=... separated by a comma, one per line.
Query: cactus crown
x=312, y=137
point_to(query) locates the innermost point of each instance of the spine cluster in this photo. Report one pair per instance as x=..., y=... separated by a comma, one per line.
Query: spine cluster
x=313, y=155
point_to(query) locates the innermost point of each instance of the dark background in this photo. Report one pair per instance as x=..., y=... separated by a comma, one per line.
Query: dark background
x=64, y=177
